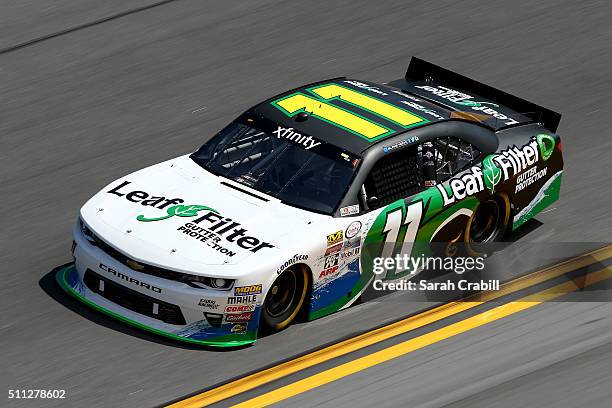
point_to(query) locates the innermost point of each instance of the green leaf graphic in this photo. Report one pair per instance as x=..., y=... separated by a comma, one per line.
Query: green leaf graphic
x=546, y=144
x=492, y=174
x=145, y=219
x=180, y=210
x=188, y=210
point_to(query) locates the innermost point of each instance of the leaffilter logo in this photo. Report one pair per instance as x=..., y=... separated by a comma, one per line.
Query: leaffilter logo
x=492, y=174
x=546, y=144
x=179, y=210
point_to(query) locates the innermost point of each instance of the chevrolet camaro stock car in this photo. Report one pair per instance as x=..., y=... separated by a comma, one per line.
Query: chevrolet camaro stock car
x=283, y=211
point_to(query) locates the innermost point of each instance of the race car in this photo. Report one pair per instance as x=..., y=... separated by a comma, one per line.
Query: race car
x=283, y=211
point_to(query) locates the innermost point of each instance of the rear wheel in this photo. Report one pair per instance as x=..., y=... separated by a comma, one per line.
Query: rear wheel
x=487, y=224
x=285, y=298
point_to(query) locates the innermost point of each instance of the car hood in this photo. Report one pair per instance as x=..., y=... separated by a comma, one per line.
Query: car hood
x=177, y=215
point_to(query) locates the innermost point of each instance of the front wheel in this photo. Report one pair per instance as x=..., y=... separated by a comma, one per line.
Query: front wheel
x=285, y=298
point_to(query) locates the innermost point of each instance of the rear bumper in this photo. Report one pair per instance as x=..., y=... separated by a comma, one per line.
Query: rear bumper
x=198, y=332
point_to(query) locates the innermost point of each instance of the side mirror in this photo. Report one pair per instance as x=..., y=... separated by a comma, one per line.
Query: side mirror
x=372, y=202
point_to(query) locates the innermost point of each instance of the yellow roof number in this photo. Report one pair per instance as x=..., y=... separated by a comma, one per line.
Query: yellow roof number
x=321, y=106
x=333, y=114
x=381, y=108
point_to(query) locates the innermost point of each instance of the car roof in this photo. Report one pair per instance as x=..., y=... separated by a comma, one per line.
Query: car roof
x=353, y=115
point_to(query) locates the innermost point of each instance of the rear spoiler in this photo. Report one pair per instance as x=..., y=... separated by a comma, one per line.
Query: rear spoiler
x=420, y=70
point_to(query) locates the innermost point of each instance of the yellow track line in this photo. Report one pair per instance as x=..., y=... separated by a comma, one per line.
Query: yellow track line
x=375, y=336
x=416, y=343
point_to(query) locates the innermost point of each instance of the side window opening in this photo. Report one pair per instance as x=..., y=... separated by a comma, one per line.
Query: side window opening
x=451, y=156
x=393, y=177
x=413, y=169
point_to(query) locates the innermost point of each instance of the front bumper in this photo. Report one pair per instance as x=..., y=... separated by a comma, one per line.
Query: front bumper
x=67, y=278
x=172, y=310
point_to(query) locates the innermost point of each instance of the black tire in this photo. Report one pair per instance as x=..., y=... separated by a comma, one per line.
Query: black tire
x=285, y=298
x=488, y=224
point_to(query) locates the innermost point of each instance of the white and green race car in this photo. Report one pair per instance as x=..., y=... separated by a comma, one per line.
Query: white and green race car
x=283, y=211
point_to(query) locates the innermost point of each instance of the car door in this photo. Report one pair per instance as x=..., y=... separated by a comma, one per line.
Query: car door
x=408, y=215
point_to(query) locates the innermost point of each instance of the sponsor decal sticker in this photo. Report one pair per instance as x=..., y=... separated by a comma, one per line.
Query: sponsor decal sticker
x=529, y=177
x=159, y=202
x=247, y=290
x=239, y=328
x=241, y=300
x=218, y=230
x=353, y=229
x=239, y=308
x=232, y=231
x=547, y=145
x=205, y=236
x=238, y=318
x=215, y=230
x=335, y=237
x=179, y=210
x=351, y=244
x=328, y=272
x=463, y=99
x=367, y=87
x=333, y=249
x=401, y=143
x=307, y=142
x=423, y=109
x=496, y=168
x=209, y=304
x=295, y=259
x=144, y=198
x=412, y=102
x=349, y=253
x=468, y=184
x=349, y=210
x=332, y=260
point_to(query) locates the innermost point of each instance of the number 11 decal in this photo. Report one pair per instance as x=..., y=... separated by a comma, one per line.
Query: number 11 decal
x=399, y=233
x=323, y=105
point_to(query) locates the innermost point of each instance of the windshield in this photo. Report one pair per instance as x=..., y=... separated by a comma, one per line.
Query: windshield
x=295, y=168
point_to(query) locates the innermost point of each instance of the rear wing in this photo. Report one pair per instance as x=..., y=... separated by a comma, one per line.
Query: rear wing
x=423, y=72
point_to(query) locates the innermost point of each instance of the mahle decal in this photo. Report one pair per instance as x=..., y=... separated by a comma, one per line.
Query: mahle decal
x=179, y=210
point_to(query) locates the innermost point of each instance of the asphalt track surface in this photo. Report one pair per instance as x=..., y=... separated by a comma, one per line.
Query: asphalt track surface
x=85, y=98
